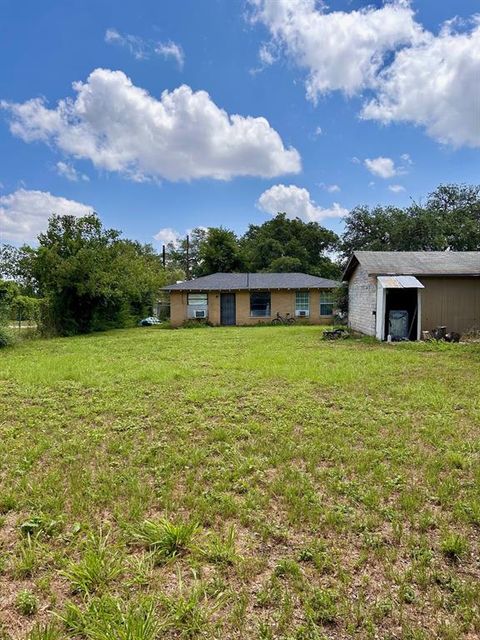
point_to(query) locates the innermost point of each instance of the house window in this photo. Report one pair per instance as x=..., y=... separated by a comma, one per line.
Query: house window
x=326, y=303
x=198, y=299
x=302, y=303
x=260, y=303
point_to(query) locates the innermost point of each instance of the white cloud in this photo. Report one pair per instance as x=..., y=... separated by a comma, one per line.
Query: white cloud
x=331, y=188
x=183, y=135
x=24, y=214
x=267, y=54
x=381, y=167
x=142, y=49
x=139, y=48
x=416, y=77
x=296, y=202
x=69, y=172
x=340, y=50
x=171, y=50
x=406, y=158
x=318, y=132
x=167, y=235
x=396, y=188
x=436, y=85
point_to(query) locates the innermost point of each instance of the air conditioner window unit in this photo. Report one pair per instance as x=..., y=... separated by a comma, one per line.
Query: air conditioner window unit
x=200, y=313
x=303, y=314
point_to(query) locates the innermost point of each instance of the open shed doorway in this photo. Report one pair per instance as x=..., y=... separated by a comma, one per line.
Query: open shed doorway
x=401, y=314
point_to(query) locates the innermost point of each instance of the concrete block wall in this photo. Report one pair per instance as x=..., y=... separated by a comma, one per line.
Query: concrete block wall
x=362, y=301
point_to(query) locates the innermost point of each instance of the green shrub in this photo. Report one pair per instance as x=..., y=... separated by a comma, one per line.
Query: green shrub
x=196, y=324
x=7, y=337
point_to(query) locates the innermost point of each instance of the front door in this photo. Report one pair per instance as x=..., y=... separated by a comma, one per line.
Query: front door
x=227, y=309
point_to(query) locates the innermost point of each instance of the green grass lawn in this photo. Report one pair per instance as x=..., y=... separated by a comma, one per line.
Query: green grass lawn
x=239, y=483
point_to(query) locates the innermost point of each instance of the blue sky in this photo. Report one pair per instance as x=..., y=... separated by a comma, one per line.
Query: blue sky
x=381, y=114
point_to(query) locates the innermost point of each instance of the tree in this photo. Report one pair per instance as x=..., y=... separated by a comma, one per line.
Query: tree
x=8, y=292
x=290, y=245
x=449, y=220
x=185, y=254
x=91, y=278
x=219, y=251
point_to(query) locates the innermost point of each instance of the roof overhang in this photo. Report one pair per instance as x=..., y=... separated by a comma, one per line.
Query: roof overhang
x=399, y=282
x=350, y=267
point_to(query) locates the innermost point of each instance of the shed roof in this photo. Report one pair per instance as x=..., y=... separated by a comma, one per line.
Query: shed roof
x=418, y=263
x=249, y=281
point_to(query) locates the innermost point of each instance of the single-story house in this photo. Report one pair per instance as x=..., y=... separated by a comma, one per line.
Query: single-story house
x=403, y=293
x=252, y=298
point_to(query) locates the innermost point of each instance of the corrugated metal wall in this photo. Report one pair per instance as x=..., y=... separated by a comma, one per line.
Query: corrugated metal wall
x=451, y=302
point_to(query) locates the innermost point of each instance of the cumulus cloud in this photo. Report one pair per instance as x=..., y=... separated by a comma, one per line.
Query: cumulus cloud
x=340, y=50
x=381, y=167
x=435, y=85
x=167, y=235
x=415, y=76
x=396, y=188
x=181, y=136
x=24, y=214
x=68, y=171
x=142, y=49
x=296, y=202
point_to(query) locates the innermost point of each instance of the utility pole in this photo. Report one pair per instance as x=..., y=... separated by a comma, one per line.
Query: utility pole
x=163, y=256
x=187, y=258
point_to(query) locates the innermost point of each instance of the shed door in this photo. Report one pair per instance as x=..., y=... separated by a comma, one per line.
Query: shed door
x=227, y=309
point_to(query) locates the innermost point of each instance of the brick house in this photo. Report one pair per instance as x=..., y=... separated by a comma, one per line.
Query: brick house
x=252, y=298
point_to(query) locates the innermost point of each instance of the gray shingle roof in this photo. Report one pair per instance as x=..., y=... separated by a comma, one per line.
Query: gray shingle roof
x=416, y=263
x=249, y=281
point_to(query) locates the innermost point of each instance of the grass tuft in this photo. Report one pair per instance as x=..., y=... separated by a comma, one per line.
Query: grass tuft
x=167, y=539
x=454, y=546
x=99, y=566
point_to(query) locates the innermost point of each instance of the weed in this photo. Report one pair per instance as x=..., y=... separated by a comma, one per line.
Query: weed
x=28, y=557
x=49, y=631
x=108, y=618
x=26, y=602
x=322, y=606
x=221, y=551
x=7, y=503
x=97, y=568
x=167, y=539
x=188, y=612
x=454, y=546
x=39, y=524
x=287, y=569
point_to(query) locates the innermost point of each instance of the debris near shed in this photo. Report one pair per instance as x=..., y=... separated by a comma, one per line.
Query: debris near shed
x=336, y=334
x=440, y=334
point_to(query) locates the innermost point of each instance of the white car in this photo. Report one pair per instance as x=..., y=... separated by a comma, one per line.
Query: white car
x=149, y=322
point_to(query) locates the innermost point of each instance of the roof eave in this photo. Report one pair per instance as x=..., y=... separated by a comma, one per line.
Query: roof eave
x=353, y=261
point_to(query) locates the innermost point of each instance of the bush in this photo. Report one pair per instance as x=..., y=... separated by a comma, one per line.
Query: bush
x=7, y=337
x=196, y=324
